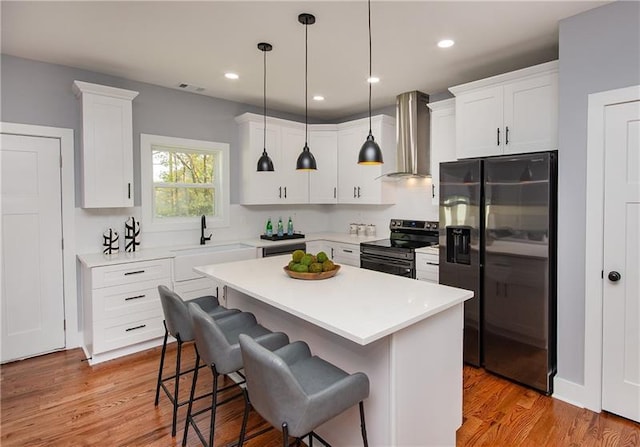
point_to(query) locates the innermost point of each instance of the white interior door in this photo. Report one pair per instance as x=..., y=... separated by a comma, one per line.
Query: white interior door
x=32, y=277
x=621, y=293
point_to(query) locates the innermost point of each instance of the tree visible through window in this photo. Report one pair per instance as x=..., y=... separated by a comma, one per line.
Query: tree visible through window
x=183, y=182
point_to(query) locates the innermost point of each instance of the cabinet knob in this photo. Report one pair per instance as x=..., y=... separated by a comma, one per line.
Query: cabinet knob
x=614, y=276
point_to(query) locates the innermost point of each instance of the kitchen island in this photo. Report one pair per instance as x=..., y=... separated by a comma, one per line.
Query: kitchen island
x=406, y=335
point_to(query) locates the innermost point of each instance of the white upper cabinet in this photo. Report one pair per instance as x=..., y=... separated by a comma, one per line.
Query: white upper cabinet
x=323, y=183
x=443, y=141
x=511, y=113
x=284, y=141
x=338, y=179
x=362, y=183
x=107, y=145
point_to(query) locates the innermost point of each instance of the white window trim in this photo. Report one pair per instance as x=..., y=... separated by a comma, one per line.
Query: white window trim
x=147, y=141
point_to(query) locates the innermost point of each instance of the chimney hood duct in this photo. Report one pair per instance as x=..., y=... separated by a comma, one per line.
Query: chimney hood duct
x=412, y=135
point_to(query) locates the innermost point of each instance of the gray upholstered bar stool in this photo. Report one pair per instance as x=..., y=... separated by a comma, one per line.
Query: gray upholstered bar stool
x=177, y=323
x=217, y=345
x=297, y=392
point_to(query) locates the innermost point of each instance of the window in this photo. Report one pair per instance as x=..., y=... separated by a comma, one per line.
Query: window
x=181, y=180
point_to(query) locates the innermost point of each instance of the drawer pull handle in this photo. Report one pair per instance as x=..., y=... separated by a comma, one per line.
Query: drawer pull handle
x=432, y=263
x=134, y=297
x=347, y=251
x=134, y=273
x=135, y=327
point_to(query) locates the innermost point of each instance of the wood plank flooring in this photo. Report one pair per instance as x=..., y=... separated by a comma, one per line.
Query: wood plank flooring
x=59, y=400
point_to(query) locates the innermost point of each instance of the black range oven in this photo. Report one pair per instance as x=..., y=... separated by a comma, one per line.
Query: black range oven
x=396, y=255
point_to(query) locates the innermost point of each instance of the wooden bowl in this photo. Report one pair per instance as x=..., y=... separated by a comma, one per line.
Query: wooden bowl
x=311, y=276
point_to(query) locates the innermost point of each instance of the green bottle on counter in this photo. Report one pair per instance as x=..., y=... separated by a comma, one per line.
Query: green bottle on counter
x=269, y=229
x=290, y=227
x=280, y=227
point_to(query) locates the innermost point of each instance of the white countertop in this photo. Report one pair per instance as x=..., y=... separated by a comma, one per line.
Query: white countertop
x=344, y=238
x=91, y=260
x=358, y=304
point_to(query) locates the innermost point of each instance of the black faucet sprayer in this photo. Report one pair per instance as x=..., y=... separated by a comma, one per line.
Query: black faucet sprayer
x=203, y=225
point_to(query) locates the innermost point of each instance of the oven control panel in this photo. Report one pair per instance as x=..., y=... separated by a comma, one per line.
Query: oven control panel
x=401, y=224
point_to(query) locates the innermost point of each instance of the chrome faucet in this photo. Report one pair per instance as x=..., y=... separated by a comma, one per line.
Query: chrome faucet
x=203, y=225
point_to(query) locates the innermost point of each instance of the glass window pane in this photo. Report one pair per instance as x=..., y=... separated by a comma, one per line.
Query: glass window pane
x=182, y=167
x=184, y=202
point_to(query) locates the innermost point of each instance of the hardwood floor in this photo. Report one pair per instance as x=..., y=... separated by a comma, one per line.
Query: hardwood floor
x=59, y=400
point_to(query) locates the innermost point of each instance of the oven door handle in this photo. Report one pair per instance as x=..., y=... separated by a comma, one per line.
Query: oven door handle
x=385, y=260
x=384, y=254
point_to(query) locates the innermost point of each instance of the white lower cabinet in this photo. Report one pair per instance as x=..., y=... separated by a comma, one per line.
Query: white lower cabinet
x=427, y=265
x=315, y=247
x=348, y=254
x=121, y=306
x=339, y=252
x=195, y=288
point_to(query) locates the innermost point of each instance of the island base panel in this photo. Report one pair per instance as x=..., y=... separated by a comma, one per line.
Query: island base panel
x=415, y=376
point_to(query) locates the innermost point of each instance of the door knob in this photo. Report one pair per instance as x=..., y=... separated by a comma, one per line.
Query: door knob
x=614, y=276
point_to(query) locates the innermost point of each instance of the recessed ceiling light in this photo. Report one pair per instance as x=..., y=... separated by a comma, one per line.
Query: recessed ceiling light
x=318, y=98
x=373, y=80
x=231, y=75
x=446, y=43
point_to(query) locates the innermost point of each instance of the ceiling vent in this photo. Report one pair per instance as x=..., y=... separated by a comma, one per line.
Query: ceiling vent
x=191, y=88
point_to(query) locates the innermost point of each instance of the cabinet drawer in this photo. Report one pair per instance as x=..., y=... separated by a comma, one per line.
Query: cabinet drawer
x=113, y=334
x=127, y=299
x=132, y=272
x=427, y=267
x=348, y=254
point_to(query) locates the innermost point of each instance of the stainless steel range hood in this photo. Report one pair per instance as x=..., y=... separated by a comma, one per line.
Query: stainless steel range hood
x=412, y=136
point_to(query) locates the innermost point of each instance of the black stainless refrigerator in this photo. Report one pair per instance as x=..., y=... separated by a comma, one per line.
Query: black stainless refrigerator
x=498, y=238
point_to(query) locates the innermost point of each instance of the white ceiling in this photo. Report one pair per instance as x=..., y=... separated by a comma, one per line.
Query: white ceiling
x=168, y=43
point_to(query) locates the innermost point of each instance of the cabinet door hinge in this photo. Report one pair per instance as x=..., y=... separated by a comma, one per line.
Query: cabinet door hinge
x=602, y=274
x=62, y=243
x=60, y=160
x=64, y=324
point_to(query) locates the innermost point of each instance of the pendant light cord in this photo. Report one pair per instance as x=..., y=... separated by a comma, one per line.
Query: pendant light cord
x=264, y=101
x=369, y=7
x=306, y=96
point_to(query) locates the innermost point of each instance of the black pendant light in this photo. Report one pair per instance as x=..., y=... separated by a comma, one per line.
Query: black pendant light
x=264, y=162
x=370, y=153
x=306, y=161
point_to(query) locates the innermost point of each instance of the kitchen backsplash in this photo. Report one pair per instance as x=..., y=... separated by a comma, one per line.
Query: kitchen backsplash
x=413, y=202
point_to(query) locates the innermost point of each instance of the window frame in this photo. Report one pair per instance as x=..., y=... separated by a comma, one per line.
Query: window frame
x=221, y=183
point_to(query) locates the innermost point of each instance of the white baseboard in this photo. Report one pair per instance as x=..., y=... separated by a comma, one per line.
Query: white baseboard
x=110, y=355
x=569, y=392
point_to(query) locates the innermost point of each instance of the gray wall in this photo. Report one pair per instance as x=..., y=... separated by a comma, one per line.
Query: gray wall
x=599, y=51
x=40, y=93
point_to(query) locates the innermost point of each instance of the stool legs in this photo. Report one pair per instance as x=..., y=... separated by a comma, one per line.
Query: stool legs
x=214, y=406
x=164, y=350
x=191, y=399
x=285, y=430
x=175, y=398
x=363, y=427
x=176, y=389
